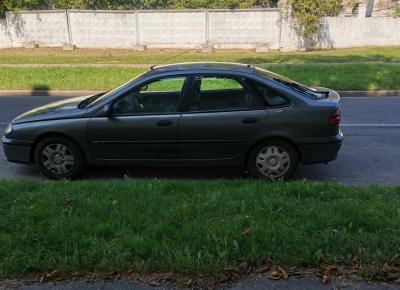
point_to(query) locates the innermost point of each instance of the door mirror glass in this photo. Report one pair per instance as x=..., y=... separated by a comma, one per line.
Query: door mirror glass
x=106, y=110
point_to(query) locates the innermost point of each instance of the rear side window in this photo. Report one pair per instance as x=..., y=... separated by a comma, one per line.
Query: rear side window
x=218, y=93
x=272, y=97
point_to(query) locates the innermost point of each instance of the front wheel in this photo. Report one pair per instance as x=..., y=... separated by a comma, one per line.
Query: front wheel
x=273, y=160
x=58, y=157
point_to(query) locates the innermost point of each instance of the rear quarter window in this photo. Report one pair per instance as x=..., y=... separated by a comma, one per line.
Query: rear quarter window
x=272, y=97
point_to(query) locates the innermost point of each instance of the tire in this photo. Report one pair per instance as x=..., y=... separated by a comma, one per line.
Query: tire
x=273, y=160
x=58, y=157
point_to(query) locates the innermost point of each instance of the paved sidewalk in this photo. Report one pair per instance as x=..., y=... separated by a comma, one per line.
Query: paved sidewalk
x=160, y=62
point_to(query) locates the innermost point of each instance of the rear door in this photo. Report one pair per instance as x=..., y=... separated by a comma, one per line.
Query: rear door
x=220, y=116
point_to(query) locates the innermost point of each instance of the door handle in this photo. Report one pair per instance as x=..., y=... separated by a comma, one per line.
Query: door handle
x=164, y=123
x=249, y=120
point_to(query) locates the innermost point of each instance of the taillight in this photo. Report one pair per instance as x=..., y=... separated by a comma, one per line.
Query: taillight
x=335, y=118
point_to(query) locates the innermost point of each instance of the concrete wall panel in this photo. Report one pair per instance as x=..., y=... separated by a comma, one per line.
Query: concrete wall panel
x=233, y=29
x=170, y=29
x=45, y=28
x=5, y=40
x=103, y=29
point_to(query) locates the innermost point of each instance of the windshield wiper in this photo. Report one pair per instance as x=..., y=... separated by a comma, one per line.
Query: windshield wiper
x=88, y=101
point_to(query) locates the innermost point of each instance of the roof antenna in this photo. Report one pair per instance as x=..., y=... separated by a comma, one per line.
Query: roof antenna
x=175, y=56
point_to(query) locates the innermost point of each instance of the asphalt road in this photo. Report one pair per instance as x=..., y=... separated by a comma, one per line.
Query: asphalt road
x=255, y=283
x=370, y=153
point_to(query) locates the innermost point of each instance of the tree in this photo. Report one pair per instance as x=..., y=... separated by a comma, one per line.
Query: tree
x=308, y=15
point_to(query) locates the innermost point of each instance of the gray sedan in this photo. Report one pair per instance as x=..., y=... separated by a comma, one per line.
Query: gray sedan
x=189, y=114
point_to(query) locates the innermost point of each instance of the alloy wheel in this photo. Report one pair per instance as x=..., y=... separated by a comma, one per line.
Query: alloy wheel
x=58, y=158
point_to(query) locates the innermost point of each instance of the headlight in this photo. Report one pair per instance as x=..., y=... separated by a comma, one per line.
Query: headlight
x=9, y=129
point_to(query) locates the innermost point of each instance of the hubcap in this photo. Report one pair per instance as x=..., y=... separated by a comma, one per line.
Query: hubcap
x=273, y=161
x=58, y=158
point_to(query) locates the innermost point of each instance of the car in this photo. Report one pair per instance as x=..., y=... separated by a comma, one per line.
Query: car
x=185, y=114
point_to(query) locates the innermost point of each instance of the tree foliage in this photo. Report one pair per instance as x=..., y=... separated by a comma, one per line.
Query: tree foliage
x=132, y=4
x=309, y=13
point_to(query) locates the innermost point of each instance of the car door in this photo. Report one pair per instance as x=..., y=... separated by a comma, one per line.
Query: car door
x=221, y=115
x=143, y=123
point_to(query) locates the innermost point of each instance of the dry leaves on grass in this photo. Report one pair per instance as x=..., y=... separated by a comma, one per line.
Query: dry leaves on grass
x=50, y=276
x=278, y=274
x=247, y=232
x=326, y=272
x=392, y=273
x=90, y=278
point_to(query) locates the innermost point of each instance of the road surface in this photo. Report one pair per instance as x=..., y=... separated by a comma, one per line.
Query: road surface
x=370, y=152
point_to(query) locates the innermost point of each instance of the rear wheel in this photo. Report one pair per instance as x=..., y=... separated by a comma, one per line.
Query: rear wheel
x=58, y=157
x=273, y=160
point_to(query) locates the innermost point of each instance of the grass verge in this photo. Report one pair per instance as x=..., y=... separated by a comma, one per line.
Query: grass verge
x=87, y=56
x=189, y=226
x=366, y=77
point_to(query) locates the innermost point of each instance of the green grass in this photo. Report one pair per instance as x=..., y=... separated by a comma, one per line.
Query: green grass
x=367, y=77
x=88, y=56
x=190, y=226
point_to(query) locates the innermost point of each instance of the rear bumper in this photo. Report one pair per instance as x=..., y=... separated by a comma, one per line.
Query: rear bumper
x=321, y=149
x=18, y=151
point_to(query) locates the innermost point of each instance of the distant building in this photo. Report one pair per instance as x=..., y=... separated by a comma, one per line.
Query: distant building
x=374, y=8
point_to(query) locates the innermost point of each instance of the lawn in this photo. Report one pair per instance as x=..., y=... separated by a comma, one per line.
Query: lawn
x=195, y=226
x=368, y=77
x=115, y=56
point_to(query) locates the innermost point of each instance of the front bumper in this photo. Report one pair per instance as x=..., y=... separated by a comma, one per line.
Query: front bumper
x=18, y=151
x=319, y=150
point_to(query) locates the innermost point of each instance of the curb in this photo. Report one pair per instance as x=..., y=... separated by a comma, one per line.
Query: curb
x=69, y=93
x=388, y=93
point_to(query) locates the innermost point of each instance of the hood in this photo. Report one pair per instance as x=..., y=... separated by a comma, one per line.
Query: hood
x=64, y=109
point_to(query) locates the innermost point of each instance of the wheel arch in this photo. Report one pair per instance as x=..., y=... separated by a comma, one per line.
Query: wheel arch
x=271, y=139
x=52, y=134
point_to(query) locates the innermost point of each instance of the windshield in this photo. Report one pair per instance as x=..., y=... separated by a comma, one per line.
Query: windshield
x=309, y=92
x=97, y=98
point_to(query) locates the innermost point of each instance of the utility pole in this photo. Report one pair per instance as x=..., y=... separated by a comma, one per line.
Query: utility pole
x=370, y=8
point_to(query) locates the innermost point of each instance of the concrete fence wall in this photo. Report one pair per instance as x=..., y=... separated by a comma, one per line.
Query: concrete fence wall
x=247, y=29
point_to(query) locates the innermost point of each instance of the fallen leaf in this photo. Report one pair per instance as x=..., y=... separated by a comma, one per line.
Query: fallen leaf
x=285, y=275
x=130, y=271
x=52, y=274
x=117, y=277
x=325, y=279
x=75, y=276
x=189, y=283
x=67, y=200
x=274, y=275
x=389, y=269
x=247, y=232
x=91, y=278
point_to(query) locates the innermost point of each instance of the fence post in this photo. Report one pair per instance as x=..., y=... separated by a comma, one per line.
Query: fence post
x=138, y=45
x=69, y=45
x=207, y=47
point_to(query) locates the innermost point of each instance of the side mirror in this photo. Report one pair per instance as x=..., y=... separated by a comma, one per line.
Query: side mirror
x=106, y=111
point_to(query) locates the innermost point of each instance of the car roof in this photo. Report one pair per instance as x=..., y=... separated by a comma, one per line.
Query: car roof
x=208, y=66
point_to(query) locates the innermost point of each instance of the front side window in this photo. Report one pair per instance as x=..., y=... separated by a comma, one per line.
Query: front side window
x=215, y=93
x=160, y=96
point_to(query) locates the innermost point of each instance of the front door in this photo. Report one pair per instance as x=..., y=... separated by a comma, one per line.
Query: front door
x=143, y=123
x=219, y=118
